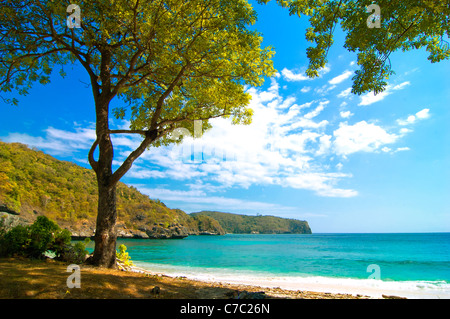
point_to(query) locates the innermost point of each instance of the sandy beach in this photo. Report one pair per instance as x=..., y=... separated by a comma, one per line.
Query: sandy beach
x=24, y=278
x=35, y=279
x=316, y=286
x=358, y=288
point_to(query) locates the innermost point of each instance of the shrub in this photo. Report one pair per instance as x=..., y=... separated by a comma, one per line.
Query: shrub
x=41, y=235
x=60, y=243
x=123, y=257
x=74, y=253
x=15, y=241
x=44, y=235
x=2, y=227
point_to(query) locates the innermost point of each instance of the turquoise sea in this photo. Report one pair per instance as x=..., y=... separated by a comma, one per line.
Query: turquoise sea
x=414, y=265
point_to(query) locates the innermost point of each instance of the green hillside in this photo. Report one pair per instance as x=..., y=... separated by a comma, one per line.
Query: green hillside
x=33, y=183
x=244, y=224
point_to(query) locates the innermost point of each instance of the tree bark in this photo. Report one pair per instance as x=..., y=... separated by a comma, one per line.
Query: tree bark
x=105, y=233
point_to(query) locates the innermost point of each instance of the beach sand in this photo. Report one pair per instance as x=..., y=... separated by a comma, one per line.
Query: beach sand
x=24, y=278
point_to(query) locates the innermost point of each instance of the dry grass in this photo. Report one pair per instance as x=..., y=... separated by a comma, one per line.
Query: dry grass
x=24, y=278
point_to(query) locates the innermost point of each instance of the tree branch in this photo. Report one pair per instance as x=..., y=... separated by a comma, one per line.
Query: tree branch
x=181, y=119
x=92, y=161
x=131, y=70
x=127, y=132
x=169, y=90
x=58, y=38
x=150, y=136
x=332, y=28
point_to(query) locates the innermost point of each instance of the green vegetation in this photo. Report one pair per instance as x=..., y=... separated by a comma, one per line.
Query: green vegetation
x=206, y=223
x=123, y=257
x=33, y=184
x=244, y=224
x=63, y=191
x=42, y=237
x=397, y=26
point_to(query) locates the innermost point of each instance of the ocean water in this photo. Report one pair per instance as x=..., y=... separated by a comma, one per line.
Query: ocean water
x=411, y=265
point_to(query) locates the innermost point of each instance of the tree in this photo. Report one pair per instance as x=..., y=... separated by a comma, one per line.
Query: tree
x=172, y=62
x=374, y=29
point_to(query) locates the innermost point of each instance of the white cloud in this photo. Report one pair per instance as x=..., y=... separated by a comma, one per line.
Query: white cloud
x=291, y=76
x=393, y=151
x=404, y=131
x=411, y=71
x=411, y=119
x=424, y=114
x=203, y=201
x=142, y=173
x=324, y=89
x=278, y=148
x=57, y=142
x=345, y=114
x=341, y=78
x=361, y=137
x=288, y=144
x=401, y=86
x=67, y=143
x=371, y=98
x=325, y=144
x=305, y=89
x=326, y=69
x=316, y=111
x=321, y=183
x=345, y=93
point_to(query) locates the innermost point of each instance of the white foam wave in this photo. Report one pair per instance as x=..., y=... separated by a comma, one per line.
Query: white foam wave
x=370, y=287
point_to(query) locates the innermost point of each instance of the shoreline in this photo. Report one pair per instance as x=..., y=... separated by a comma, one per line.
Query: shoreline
x=367, y=288
x=24, y=278
x=271, y=291
x=274, y=288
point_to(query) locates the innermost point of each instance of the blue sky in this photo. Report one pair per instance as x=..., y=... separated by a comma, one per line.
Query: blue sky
x=314, y=151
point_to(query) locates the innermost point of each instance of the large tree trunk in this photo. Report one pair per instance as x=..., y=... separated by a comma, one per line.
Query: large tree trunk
x=105, y=233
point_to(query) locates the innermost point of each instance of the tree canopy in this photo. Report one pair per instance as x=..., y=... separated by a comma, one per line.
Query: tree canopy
x=172, y=62
x=402, y=25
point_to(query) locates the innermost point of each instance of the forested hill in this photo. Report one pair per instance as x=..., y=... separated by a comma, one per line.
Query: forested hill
x=33, y=183
x=244, y=224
